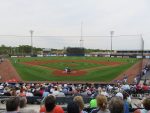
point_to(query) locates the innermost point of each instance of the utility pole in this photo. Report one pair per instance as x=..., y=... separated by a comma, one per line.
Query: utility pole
x=31, y=32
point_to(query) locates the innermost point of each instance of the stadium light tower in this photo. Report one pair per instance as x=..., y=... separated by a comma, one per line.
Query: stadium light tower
x=142, y=50
x=111, y=35
x=81, y=39
x=142, y=45
x=31, y=32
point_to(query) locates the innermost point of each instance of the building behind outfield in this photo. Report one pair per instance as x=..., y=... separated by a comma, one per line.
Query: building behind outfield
x=124, y=54
x=134, y=53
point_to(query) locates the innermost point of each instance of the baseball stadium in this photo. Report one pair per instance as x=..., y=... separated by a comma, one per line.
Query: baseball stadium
x=74, y=56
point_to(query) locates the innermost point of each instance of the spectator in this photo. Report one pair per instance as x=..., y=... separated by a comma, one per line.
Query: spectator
x=55, y=92
x=120, y=95
x=116, y=105
x=22, y=93
x=73, y=108
x=12, y=105
x=102, y=105
x=13, y=92
x=45, y=93
x=41, y=91
x=146, y=105
x=29, y=93
x=125, y=87
x=61, y=94
x=7, y=91
x=93, y=103
x=104, y=92
x=126, y=104
x=124, y=97
x=50, y=106
x=80, y=102
x=23, y=108
x=1, y=89
x=37, y=93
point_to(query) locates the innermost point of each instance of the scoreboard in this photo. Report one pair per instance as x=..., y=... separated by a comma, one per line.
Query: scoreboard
x=75, y=51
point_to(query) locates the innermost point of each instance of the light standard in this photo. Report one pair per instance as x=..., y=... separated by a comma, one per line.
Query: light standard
x=81, y=40
x=111, y=35
x=142, y=40
x=31, y=32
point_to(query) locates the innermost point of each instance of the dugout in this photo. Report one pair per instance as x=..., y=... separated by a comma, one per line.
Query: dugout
x=75, y=51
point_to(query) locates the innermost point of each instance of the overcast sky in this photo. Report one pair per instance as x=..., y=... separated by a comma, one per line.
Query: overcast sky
x=63, y=18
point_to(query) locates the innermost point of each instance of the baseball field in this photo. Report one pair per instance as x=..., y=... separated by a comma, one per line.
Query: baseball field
x=83, y=69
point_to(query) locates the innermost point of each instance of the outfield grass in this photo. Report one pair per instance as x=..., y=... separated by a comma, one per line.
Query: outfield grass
x=72, y=66
x=36, y=73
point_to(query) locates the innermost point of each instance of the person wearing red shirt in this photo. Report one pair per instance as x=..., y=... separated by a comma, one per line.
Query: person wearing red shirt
x=50, y=106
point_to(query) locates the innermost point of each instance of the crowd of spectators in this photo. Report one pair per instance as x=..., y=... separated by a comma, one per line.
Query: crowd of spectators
x=98, y=93
x=117, y=104
x=63, y=90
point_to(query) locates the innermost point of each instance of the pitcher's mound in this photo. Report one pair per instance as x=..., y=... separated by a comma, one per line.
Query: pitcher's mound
x=72, y=73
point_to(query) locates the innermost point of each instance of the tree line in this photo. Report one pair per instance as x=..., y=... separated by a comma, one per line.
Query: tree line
x=23, y=50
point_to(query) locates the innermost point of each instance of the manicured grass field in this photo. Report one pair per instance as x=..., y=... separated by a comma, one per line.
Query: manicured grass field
x=95, y=71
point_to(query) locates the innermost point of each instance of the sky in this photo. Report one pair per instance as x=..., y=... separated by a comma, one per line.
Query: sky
x=57, y=23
